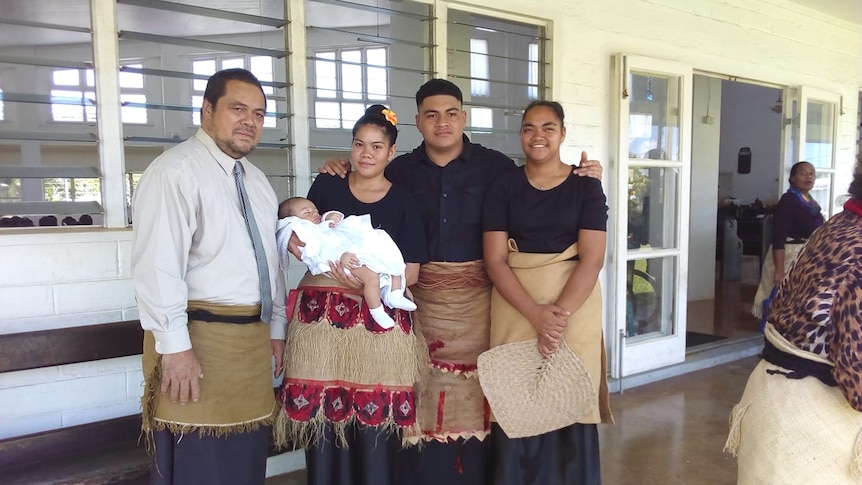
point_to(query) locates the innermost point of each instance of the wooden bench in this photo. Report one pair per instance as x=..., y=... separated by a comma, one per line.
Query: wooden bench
x=101, y=452
x=104, y=452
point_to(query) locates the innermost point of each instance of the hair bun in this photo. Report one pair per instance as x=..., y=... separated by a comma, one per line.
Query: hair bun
x=375, y=109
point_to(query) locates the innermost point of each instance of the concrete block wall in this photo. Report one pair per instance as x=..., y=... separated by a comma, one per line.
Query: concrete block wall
x=50, y=279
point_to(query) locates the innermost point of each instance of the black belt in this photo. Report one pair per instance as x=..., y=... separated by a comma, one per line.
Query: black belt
x=798, y=367
x=205, y=316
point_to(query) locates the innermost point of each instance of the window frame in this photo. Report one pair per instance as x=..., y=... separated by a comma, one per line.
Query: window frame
x=365, y=98
x=270, y=121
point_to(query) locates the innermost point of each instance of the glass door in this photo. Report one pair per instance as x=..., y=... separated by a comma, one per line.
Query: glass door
x=650, y=239
x=816, y=144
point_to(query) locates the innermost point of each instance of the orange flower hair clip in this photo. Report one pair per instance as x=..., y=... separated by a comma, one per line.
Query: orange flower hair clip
x=390, y=116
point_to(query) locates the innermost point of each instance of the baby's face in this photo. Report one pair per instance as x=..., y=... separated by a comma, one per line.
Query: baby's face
x=305, y=209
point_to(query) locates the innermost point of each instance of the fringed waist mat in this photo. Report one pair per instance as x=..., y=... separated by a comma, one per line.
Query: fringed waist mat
x=454, y=320
x=236, y=390
x=341, y=367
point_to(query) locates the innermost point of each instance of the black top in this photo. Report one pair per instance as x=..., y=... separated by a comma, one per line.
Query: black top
x=396, y=213
x=792, y=219
x=545, y=221
x=450, y=198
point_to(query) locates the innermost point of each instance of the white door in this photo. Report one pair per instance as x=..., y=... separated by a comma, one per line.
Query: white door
x=811, y=126
x=650, y=214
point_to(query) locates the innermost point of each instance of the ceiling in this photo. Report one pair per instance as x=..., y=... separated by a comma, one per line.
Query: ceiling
x=76, y=13
x=849, y=10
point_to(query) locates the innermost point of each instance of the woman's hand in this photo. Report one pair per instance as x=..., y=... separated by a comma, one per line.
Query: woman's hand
x=338, y=273
x=336, y=166
x=589, y=168
x=549, y=321
x=778, y=277
x=548, y=346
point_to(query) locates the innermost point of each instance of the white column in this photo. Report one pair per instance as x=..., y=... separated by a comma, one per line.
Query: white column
x=111, y=155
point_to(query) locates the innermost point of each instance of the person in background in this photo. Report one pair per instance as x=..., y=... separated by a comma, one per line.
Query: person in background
x=552, y=224
x=210, y=294
x=795, y=217
x=800, y=417
x=348, y=392
x=448, y=176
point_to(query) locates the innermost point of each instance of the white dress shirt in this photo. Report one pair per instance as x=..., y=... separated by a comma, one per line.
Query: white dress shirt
x=191, y=243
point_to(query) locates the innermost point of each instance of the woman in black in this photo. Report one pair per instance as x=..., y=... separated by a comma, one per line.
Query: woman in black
x=348, y=395
x=543, y=208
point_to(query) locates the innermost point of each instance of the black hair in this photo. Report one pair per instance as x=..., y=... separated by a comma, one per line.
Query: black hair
x=795, y=168
x=554, y=106
x=217, y=84
x=436, y=87
x=374, y=116
x=285, y=209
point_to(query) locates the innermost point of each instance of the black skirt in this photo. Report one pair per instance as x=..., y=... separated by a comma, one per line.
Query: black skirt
x=369, y=458
x=567, y=456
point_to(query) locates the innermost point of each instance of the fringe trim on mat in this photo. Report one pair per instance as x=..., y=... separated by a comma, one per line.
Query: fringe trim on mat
x=150, y=424
x=856, y=466
x=447, y=437
x=304, y=434
x=732, y=444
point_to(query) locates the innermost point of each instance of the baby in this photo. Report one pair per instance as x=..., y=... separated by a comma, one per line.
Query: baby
x=369, y=254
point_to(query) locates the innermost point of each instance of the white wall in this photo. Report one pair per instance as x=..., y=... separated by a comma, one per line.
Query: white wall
x=708, y=99
x=55, y=278
x=748, y=121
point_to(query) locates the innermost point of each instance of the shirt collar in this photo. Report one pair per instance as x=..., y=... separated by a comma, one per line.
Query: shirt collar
x=225, y=161
x=466, y=151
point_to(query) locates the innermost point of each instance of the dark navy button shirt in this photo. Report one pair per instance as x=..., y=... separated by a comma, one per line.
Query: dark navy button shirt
x=450, y=198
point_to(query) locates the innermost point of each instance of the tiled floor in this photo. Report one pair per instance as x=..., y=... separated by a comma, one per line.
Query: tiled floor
x=728, y=315
x=669, y=432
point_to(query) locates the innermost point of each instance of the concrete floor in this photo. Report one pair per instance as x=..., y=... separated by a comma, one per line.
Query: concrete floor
x=669, y=432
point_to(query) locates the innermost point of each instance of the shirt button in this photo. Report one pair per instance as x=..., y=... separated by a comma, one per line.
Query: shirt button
x=445, y=220
x=445, y=194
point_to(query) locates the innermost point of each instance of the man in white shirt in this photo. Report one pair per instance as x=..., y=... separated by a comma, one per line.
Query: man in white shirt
x=204, y=264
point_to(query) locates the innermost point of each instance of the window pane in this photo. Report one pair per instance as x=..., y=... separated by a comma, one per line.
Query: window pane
x=206, y=67
x=233, y=63
x=197, y=102
x=67, y=105
x=10, y=189
x=350, y=113
x=377, y=84
x=481, y=118
x=327, y=115
x=656, y=98
x=261, y=67
x=376, y=57
x=67, y=77
x=324, y=72
x=269, y=121
x=652, y=207
x=351, y=75
x=819, y=133
x=479, y=67
x=650, y=297
x=91, y=77
x=132, y=80
x=132, y=114
x=90, y=105
x=533, y=80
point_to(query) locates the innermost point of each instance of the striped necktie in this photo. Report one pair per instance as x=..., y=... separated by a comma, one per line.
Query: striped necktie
x=257, y=244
